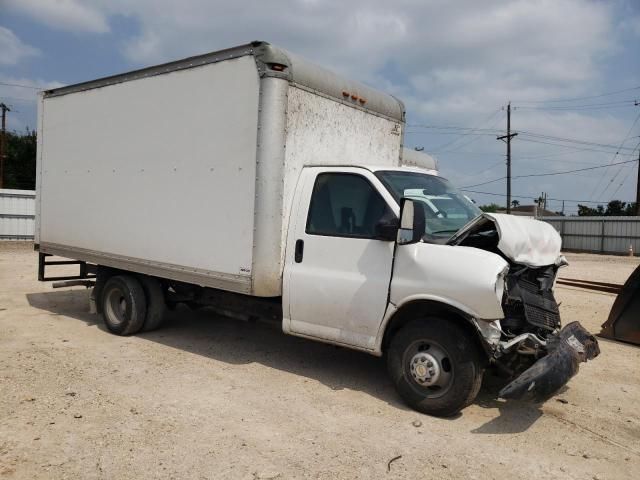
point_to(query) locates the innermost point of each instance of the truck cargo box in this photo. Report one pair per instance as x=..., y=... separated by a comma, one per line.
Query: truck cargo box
x=186, y=170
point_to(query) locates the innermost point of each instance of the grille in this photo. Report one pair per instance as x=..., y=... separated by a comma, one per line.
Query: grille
x=540, y=307
x=541, y=318
x=533, y=289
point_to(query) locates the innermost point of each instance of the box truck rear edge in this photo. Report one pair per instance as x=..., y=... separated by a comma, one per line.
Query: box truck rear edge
x=256, y=182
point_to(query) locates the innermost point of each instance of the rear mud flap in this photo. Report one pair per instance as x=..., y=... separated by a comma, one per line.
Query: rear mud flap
x=574, y=344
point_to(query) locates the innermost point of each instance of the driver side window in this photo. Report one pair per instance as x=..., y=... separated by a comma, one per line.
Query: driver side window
x=345, y=205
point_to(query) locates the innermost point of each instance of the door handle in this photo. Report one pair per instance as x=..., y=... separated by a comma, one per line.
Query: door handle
x=299, y=250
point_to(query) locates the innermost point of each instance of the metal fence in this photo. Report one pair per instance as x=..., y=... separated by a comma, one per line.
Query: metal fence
x=17, y=214
x=598, y=234
x=582, y=234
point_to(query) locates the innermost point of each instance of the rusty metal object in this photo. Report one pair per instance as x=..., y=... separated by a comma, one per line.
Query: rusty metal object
x=591, y=285
x=623, y=323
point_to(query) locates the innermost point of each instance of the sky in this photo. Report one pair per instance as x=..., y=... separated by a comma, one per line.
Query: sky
x=570, y=68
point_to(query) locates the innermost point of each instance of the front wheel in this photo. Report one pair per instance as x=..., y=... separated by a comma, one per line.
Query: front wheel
x=435, y=366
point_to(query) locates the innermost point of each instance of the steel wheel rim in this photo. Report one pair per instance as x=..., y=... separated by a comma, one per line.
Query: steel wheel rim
x=116, y=306
x=433, y=380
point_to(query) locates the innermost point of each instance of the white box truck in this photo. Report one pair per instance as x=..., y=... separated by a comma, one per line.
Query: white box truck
x=256, y=182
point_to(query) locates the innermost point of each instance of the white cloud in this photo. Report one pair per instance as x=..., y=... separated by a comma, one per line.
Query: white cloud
x=451, y=62
x=12, y=49
x=547, y=46
x=68, y=15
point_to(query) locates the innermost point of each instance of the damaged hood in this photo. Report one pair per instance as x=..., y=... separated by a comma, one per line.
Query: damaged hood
x=524, y=240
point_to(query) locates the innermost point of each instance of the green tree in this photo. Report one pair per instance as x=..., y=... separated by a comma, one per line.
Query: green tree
x=491, y=208
x=515, y=203
x=630, y=209
x=586, y=211
x=20, y=162
x=616, y=207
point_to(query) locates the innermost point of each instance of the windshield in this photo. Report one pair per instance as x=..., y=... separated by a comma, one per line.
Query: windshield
x=446, y=209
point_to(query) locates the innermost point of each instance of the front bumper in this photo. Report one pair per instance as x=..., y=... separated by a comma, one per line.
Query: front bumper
x=574, y=344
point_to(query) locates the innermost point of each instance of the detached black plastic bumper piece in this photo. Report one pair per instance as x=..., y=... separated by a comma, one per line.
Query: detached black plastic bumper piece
x=574, y=344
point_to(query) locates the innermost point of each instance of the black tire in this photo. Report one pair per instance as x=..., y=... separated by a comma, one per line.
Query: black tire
x=156, y=304
x=457, y=376
x=123, y=305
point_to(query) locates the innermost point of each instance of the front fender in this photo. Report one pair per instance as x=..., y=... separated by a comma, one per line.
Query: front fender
x=463, y=277
x=422, y=305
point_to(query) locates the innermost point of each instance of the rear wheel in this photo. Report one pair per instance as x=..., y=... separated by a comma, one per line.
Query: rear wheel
x=123, y=305
x=435, y=366
x=156, y=304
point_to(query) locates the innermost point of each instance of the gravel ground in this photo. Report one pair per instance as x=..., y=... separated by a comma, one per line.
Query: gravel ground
x=209, y=397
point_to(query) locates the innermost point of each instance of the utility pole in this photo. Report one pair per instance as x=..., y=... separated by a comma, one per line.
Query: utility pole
x=507, y=139
x=3, y=143
x=638, y=188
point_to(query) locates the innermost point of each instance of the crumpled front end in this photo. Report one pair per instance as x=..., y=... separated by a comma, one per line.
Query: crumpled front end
x=528, y=345
x=539, y=356
x=573, y=345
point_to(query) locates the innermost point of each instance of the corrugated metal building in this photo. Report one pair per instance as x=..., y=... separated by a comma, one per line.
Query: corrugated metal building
x=598, y=234
x=17, y=214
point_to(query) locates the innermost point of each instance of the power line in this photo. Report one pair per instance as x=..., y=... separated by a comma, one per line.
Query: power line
x=485, y=183
x=605, y=104
x=624, y=179
x=19, y=99
x=582, y=98
x=488, y=119
x=633, y=103
x=448, y=127
x=549, y=155
x=586, y=149
x=491, y=131
x=619, y=186
x=473, y=139
x=614, y=157
x=572, y=171
x=527, y=197
x=568, y=140
x=552, y=158
x=548, y=174
x=468, y=152
x=493, y=165
x=453, y=133
x=20, y=85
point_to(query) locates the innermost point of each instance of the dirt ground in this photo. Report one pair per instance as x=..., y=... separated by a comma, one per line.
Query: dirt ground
x=209, y=397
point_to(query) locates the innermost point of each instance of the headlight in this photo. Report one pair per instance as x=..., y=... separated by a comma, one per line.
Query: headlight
x=500, y=281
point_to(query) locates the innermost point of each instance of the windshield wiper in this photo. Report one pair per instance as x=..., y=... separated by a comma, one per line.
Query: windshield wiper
x=444, y=231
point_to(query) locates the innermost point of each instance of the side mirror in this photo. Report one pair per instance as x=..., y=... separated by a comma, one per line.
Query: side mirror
x=387, y=228
x=412, y=221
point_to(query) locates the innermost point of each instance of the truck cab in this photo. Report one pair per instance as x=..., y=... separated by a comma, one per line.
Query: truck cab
x=398, y=262
x=340, y=279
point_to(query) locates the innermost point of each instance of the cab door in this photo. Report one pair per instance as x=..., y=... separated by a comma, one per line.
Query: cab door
x=337, y=272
